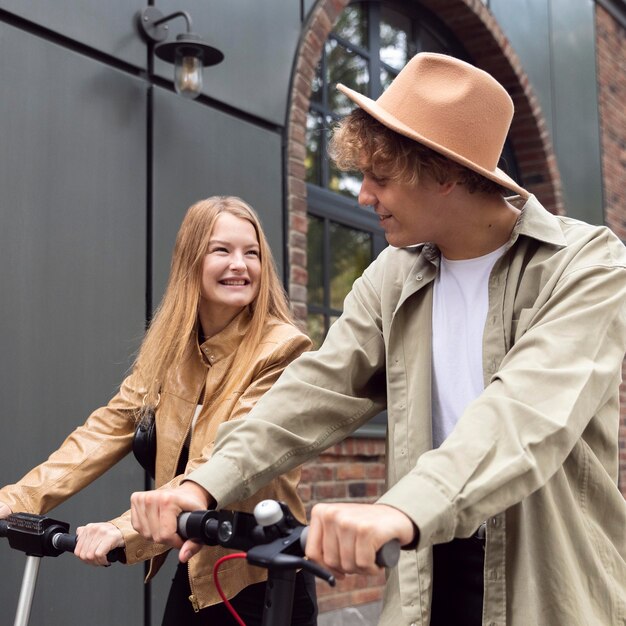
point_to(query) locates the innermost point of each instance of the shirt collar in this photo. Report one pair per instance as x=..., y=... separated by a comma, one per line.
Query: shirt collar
x=536, y=222
x=227, y=340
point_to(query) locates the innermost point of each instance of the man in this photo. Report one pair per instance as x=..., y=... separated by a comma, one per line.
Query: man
x=493, y=333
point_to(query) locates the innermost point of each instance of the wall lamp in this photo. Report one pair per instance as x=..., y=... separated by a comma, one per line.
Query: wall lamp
x=188, y=53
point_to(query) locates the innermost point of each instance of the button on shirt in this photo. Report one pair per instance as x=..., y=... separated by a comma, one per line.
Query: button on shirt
x=536, y=454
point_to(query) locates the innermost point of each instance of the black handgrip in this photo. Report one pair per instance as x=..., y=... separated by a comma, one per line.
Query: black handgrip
x=198, y=525
x=3, y=527
x=234, y=530
x=389, y=554
x=66, y=542
x=386, y=556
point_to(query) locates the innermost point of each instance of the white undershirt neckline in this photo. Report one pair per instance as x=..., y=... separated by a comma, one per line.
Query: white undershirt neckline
x=194, y=421
x=460, y=306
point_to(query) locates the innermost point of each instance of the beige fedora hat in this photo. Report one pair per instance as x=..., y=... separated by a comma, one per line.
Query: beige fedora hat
x=450, y=106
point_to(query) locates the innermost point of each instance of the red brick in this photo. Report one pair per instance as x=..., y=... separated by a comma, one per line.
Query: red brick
x=329, y=491
x=350, y=470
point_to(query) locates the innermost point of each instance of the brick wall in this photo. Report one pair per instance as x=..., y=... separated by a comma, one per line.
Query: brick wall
x=610, y=55
x=353, y=471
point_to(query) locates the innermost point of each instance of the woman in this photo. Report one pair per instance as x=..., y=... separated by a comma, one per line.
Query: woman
x=220, y=338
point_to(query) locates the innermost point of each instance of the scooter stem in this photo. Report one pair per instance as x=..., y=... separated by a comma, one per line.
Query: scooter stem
x=28, y=590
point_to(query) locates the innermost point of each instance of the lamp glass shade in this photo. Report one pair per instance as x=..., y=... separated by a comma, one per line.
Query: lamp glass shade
x=188, y=75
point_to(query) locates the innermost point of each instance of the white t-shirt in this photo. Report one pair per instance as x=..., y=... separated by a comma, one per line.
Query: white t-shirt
x=460, y=305
x=194, y=420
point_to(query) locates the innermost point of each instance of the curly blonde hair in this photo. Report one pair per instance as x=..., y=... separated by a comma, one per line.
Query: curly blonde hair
x=361, y=142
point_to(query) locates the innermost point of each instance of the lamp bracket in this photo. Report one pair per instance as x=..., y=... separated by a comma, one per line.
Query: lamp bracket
x=152, y=23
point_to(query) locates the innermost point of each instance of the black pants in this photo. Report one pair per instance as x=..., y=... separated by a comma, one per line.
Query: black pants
x=458, y=583
x=248, y=603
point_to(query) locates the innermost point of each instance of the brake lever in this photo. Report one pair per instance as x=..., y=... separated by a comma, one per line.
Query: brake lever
x=275, y=555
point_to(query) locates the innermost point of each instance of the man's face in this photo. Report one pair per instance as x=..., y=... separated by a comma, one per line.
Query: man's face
x=409, y=214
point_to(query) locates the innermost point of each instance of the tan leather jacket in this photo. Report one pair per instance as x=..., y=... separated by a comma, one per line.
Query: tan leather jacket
x=106, y=437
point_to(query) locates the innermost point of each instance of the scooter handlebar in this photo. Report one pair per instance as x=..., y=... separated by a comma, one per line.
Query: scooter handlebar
x=38, y=535
x=66, y=542
x=228, y=530
x=386, y=556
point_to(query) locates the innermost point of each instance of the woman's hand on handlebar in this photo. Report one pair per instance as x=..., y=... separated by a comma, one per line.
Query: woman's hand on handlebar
x=154, y=514
x=5, y=511
x=95, y=541
x=344, y=537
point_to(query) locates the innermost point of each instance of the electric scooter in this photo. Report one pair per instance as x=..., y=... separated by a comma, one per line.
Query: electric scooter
x=271, y=538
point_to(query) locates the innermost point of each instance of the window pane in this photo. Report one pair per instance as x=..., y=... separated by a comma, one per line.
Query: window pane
x=315, y=258
x=351, y=253
x=352, y=25
x=346, y=183
x=347, y=68
x=316, y=329
x=395, y=34
x=385, y=78
x=316, y=85
x=313, y=159
x=331, y=320
x=429, y=42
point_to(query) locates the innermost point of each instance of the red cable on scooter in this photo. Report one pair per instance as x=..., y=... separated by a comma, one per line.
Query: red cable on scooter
x=236, y=555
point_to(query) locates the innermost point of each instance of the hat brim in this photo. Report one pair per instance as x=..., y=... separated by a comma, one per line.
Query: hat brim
x=384, y=117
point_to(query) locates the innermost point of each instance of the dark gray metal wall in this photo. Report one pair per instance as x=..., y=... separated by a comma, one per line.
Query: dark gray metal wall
x=555, y=40
x=80, y=141
x=72, y=279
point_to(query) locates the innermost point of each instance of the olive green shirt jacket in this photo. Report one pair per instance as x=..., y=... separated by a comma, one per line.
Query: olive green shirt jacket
x=536, y=454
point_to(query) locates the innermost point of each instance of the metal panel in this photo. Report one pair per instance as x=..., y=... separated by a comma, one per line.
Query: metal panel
x=308, y=6
x=72, y=253
x=555, y=42
x=258, y=40
x=106, y=26
x=527, y=25
x=576, y=116
x=201, y=152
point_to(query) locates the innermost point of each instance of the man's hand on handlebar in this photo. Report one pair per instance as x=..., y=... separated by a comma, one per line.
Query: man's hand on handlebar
x=154, y=514
x=344, y=537
x=95, y=541
x=5, y=511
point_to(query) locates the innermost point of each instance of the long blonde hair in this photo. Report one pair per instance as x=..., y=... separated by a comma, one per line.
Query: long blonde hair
x=175, y=321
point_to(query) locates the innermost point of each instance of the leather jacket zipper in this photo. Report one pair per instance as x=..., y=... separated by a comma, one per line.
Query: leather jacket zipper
x=194, y=601
x=192, y=598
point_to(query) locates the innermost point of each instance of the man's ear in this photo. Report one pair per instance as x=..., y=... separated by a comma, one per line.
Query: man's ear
x=447, y=187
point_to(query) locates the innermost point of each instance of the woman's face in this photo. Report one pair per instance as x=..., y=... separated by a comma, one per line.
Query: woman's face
x=231, y=272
